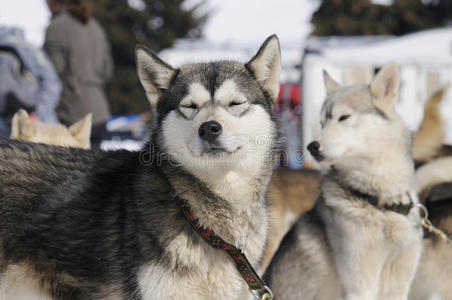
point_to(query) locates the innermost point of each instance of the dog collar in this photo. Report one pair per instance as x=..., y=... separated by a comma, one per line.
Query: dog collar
x=254, y=282
x=403, y=209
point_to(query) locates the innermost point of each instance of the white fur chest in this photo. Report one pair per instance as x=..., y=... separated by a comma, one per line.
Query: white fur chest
x=195, y=271
x=379, y=224
x=192, y=268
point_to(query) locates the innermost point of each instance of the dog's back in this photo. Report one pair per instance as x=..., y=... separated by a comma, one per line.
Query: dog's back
x=61, y=206
x=31, y=170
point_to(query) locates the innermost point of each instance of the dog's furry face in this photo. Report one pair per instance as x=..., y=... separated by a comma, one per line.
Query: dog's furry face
x=359, y=121
x=214, y=116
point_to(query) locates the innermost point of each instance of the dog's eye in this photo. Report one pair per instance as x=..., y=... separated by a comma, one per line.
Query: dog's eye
x=190, y=106
x=235, y=103
x=343, y=118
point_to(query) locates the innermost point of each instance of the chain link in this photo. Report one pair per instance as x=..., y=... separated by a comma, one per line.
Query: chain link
x=425, y=222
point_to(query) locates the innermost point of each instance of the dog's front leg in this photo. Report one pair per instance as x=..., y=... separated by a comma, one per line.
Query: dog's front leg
x=359, y=258
x=398, y=274
x=359, y=274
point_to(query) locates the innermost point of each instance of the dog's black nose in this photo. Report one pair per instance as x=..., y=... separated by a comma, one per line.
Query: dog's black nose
x=314, y=148
x=210, y=130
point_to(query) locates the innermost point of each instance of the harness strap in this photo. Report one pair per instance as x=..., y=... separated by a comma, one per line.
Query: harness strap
x=254, y=282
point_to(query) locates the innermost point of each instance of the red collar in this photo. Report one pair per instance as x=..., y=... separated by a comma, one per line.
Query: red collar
x=254, y=282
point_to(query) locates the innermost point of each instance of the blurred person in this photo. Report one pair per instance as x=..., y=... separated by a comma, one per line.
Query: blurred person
x=27, y=80
x=78, y=47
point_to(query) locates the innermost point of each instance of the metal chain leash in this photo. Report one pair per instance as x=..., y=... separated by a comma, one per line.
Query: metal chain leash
x=425, y=222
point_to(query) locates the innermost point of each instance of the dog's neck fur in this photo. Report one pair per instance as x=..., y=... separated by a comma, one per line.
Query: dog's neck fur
x=370, y=174
x=232, y=205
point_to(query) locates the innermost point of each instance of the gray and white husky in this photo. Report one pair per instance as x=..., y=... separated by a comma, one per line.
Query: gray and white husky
x=81, y=224
x=362, y=240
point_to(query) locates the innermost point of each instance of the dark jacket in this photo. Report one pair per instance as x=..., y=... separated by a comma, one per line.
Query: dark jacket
x=82, y=58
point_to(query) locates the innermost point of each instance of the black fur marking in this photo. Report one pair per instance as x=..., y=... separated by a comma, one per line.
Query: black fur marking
x=211, y=76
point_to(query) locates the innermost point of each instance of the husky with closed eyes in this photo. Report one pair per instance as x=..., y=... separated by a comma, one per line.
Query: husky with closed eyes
x=362, y=239
x=85, y=224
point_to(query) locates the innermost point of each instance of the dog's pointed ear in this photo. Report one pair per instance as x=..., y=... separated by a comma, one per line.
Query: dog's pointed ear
x=385, y=87
x=21, y=127
x=266, y=66
x=331, y=85
x=81, y=130
x=155, y=75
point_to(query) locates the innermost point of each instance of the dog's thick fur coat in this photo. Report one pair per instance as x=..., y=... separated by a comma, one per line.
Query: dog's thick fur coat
x=347, y=247
x=80, y=224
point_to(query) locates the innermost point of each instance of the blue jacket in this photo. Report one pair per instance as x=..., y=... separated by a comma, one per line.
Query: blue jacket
x=31, y=80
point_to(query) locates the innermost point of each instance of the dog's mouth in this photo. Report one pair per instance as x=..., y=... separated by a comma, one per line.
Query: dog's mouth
x=218, y=150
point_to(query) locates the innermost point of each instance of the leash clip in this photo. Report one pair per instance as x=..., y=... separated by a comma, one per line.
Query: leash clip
x=268, y=294
x=264, y=294
x=423, y=209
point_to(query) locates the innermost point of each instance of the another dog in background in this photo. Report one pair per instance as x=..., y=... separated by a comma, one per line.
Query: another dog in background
x=294, y=192
x=428, y=140
x=362, y=240
x=77, y=135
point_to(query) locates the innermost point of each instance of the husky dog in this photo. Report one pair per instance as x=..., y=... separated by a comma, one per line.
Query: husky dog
x=362, y=239
x=76, y=135
x=294, y=192
x=81, y=224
